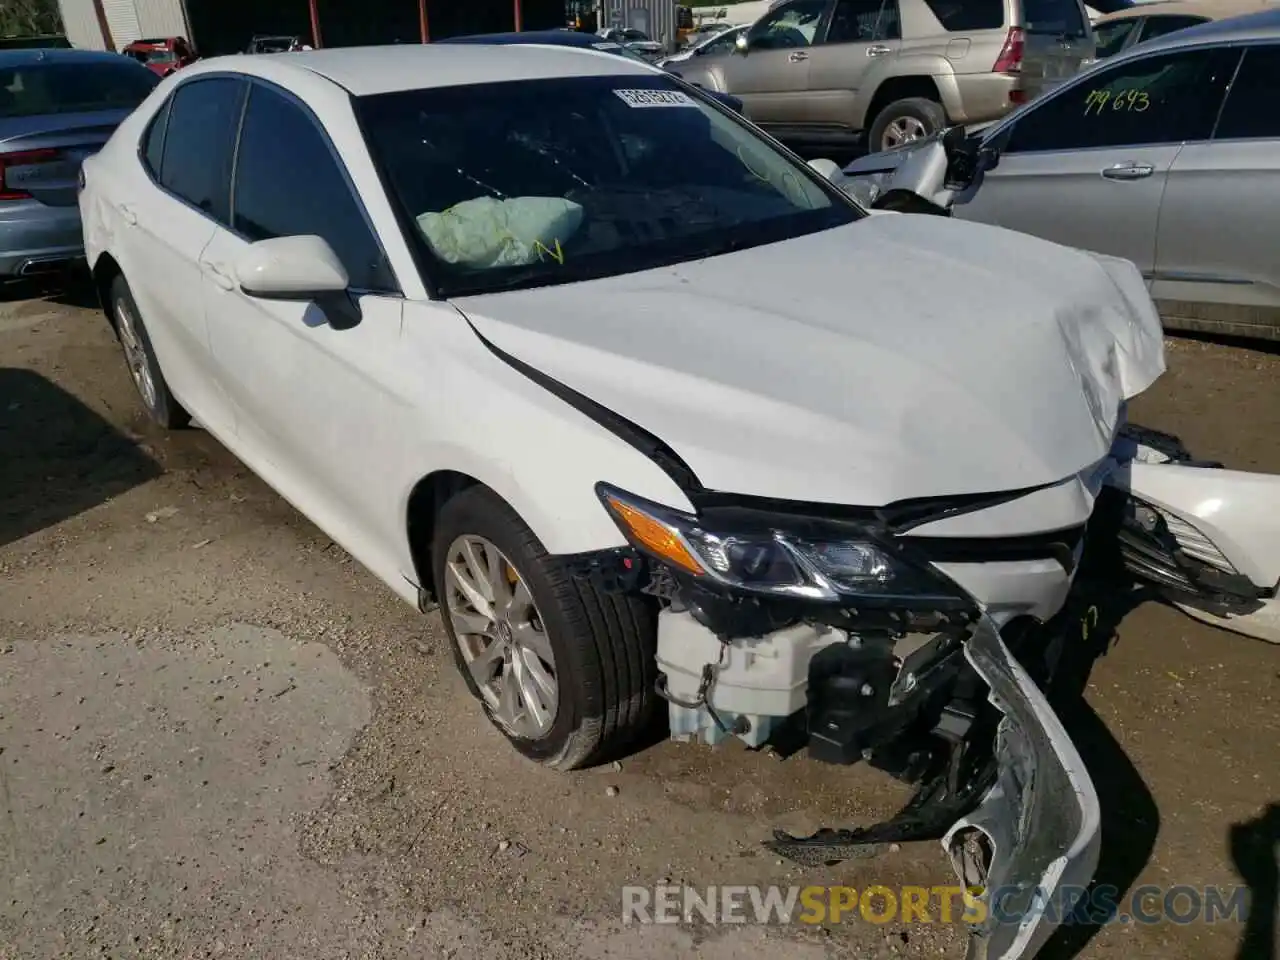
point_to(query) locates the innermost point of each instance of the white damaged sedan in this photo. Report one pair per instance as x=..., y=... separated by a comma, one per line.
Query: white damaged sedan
x=658, y=417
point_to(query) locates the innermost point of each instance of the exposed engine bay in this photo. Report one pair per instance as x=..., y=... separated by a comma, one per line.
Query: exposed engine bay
x=931, y=684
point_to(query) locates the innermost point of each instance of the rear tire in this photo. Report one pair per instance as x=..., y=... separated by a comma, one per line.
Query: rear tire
x=140, y=357
x=904, y=120
x=598, y=648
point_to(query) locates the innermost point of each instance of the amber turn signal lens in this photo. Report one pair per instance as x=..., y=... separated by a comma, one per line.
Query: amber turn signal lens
x=655, y=536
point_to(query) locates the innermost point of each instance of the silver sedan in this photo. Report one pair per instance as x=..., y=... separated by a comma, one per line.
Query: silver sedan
x=1167, y=155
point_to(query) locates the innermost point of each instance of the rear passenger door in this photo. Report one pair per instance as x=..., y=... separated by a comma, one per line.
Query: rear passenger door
x=182, y=193
x=1087, y=166
x=1216, y=252
x=313, y=403
x=858, y=47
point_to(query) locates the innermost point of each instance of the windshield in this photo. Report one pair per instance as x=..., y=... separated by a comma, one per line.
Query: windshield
x=158, y=56
x=621, y=51
x=38, y=89
x=510, y=185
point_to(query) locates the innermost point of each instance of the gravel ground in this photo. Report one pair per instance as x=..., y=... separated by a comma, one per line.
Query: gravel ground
x=219, y=736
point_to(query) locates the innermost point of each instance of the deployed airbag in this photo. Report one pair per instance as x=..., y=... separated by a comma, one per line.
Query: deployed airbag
x=487, y=232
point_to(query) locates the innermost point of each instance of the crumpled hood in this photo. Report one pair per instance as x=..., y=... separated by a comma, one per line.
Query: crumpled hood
x=898, y=357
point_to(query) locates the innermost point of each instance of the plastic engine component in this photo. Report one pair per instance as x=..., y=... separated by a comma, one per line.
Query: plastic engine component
x=757, y=682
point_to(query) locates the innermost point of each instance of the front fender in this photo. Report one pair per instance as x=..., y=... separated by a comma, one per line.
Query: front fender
x=483, y=418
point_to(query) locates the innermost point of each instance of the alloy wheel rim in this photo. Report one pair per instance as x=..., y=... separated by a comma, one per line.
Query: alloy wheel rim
x=135, y=356
x=903, y=130
x=502, y=637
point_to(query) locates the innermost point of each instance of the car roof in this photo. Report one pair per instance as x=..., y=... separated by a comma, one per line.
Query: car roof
x=367, y=71
x=1210, y=9
x=33, y=55
x=1263, y=24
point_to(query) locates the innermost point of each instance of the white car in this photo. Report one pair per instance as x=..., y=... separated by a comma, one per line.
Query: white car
x=650, y=409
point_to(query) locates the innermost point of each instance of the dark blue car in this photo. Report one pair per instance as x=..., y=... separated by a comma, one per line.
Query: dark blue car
x=572, y=38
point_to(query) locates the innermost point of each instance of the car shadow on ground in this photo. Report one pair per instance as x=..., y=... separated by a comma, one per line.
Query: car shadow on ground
x=71, y=288
x=1254, y=846
x=1130, y=817
x=58, y=458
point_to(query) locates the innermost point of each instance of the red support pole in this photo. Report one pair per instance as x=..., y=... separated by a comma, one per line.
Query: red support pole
x=519, y=26
x=316, y=41
x=422, y=21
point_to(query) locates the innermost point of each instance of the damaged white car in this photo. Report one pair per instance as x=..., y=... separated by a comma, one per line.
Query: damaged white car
x=658, y=417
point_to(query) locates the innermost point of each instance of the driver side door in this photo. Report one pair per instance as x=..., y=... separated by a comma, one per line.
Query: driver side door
x=315, y=409
x=772, y=76
x=1087, y=165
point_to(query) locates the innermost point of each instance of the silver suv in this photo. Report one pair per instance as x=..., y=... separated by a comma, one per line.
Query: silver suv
x=827, y=73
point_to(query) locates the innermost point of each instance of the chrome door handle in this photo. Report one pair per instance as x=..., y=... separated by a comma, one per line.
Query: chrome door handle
x=218, y=275
x=878, y=51
x=127, y=215
x=1128, y=171
x=798, y=57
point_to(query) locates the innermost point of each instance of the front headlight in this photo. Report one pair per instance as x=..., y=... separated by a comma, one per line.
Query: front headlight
x=769, y=558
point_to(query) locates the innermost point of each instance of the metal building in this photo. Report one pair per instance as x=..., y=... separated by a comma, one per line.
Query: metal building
x=226, y=26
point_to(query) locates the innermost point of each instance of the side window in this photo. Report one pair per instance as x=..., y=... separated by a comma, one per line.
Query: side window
x=1111, y=36
x=864, y=21
x=199, y=141
x=1160, y=99
x=1250, y=111
x=964, y=16
x=790, y=25
x=1159, y=26
x=288, y=183
x=721, y=44
x=153, y=140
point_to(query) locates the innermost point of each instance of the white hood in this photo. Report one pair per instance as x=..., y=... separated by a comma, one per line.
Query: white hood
x=899, y=357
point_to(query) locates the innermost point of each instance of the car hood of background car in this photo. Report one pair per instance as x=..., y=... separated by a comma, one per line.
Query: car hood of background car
x=898, y=357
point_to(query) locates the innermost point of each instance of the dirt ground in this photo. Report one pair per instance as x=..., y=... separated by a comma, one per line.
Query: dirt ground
x=219, y=736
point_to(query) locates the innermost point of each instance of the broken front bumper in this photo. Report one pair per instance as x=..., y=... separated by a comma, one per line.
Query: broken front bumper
x=1034, y=837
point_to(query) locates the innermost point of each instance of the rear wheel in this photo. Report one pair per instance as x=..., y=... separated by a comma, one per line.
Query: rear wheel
x=140, y=357
x=563, y=670
x=912, y=118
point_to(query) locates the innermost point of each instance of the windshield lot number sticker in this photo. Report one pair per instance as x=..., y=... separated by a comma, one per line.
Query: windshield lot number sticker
x=655, y=98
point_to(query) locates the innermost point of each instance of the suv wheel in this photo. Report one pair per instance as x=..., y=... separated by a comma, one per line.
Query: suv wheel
x=565, y=672
x=902, y=121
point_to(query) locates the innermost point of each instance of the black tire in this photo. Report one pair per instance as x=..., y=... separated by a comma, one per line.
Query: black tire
x=161, y=407
x=604, y=644
x=927, y=112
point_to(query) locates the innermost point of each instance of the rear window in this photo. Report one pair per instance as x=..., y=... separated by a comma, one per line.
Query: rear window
x=1058, y=17
x=1111, y=37
x=38, y=89
x=964, y=16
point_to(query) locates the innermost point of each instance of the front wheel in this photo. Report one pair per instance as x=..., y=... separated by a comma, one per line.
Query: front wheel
x=912, y=118
x=565, y=671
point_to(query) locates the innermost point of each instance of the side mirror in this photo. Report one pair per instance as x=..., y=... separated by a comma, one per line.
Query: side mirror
x=741, y=44
x=827, y=168
x=303, y=269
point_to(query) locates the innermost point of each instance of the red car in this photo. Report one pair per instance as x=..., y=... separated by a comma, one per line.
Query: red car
x=163, y=56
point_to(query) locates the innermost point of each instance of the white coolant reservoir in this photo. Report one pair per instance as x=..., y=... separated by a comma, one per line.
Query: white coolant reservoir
x=758, y=682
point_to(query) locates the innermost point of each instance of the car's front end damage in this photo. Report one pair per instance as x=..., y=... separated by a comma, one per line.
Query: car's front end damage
x=919, y=635
x=789, y=628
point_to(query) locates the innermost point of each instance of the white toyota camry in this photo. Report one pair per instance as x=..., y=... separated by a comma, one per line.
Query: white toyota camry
x=651, y=410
